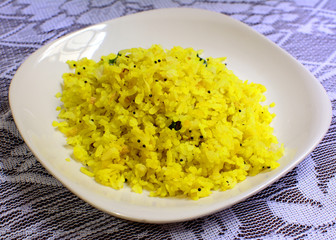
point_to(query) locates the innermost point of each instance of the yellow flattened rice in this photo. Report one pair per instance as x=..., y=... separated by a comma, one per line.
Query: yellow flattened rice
x=166, y=121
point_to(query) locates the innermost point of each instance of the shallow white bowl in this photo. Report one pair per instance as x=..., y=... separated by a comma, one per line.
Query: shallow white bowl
x=302, y=106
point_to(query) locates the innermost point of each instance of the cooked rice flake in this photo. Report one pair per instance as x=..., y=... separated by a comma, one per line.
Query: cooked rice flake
x=168, y=121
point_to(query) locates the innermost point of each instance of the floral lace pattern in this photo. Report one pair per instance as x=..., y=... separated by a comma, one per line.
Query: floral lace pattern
x=301, y=205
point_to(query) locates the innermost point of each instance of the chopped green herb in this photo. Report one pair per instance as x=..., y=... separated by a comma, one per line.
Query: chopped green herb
x=175, y=125
x=113, y=61
x=202, y=59
x=172, y=125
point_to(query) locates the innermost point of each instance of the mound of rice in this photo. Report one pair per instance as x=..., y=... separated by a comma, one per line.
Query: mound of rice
x=167, y=121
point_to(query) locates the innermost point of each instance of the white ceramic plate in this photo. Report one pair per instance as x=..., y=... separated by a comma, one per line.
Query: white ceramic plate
x=302, y=106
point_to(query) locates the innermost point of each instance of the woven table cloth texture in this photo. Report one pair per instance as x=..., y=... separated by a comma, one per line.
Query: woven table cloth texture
x=301, y=205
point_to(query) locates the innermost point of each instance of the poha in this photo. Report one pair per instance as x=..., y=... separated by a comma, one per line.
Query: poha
x=167, y=121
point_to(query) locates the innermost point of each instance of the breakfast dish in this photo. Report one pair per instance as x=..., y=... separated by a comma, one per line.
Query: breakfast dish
x=167, y=121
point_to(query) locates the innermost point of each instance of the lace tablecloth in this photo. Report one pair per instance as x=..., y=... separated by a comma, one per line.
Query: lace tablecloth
x=301, y=205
